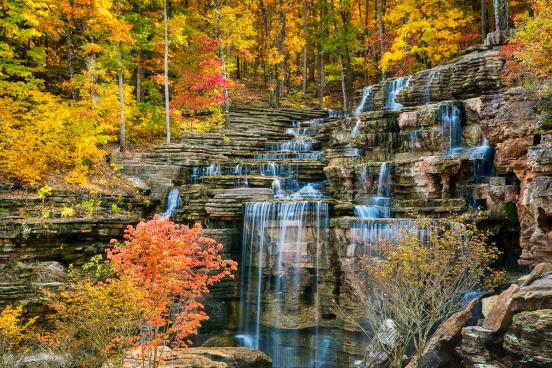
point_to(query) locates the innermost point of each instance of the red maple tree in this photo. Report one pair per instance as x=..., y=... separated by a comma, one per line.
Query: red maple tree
x=174, y=266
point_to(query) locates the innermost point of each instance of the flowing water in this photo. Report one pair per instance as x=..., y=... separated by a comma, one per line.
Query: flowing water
x=364, y=104
x=173, y=203
x=283, y=248
x=451, y=118
x=393, y=90
x=483, y=161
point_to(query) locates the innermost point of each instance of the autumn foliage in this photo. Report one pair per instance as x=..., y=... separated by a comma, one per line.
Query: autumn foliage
x=417, y=280
x=174, y=266
x=146, y=295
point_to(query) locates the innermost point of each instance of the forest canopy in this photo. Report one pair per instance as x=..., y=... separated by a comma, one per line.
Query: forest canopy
x=79, y=76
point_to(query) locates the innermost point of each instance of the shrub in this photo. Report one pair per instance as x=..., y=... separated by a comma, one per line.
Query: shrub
x=419, y=280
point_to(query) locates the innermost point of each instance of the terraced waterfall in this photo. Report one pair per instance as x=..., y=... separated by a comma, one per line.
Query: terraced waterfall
x=297, y=196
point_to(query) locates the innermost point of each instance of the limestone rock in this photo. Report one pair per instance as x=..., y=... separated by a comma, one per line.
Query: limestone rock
x=435, y=354
x=487, y=304
x=501, y=313
x=436, y=174
x=530, y=336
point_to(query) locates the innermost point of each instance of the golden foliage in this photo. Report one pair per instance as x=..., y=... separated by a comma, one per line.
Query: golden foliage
x=14, y=332
x=42, y=134
x=419, y=279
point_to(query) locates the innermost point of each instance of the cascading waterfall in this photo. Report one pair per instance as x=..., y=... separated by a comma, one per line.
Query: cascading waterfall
x=197, y=172
x=363, y=106
x=173, y=203
x=413, y=139
x=501, y=14
x=393, y=90
x=451, y=118
x=427, y=89
x=483, y=159
x=380, y=205
x=355, y=132
x=283, y=242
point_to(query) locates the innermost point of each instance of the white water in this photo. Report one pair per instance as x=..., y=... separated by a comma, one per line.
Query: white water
x=451, y=126
x=356, y=129
x=393, y=90
x=366, y=93
x=380, y=205
x=427, y=89
x=483, y=157
x=282, y=243
x=173, y=202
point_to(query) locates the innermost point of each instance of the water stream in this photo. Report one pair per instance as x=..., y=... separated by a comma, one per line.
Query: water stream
x=283, y=247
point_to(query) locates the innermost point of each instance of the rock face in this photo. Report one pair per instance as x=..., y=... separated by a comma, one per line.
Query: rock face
x=470, y=75
x=38, y=241
x=530, y=337
x=218, y=358
x=511, y=123
x=515, y=332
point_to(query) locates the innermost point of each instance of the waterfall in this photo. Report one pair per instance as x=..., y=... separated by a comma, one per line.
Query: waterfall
x=483, y=159
x=173, y=202
x=393, y=90
x=380, y=205
x=287, y=238
x=356, y=129
x=501, y=14
x=413, y=138
x=198, y=172
x=427, y=89
x=283, y=242
x=366, y=93
x=451, y=118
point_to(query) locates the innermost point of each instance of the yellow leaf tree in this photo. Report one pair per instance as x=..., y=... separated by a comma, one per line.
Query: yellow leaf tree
x=429, y=31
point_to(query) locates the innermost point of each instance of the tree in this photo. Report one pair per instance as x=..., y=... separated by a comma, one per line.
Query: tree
x=96, y=321
x=166, y=71
x=419, y=279
x=534, y=38
x=428, y=31
x=173, y=266
x=14, y=334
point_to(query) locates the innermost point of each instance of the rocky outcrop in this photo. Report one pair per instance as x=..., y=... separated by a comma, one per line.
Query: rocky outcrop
x=436, y=175
x=469, y=75
x=515, y=327
x=225, y=357
x=511, y=122
x=530, y=337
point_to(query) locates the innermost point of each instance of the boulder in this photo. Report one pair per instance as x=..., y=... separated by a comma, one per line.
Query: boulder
x=223, y=357
x=530, y=336
x=435, y=354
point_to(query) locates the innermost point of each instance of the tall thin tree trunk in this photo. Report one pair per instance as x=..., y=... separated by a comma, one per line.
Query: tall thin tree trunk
x=166, y=72
x=222, y=56
x=122, y=132
x=484, y=19
x=139, y=77
x=381, y=31
x=305, y=50
x=343, y=83
x=365, y=46
x=70, y=66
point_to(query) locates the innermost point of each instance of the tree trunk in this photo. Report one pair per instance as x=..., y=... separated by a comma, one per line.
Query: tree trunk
x=166, y=72
x=305, y=47
x=139, y=77
x=381, y=30
x=122, y=132
x=222, y=56
x=365, y=46
x=343, y=83
x=70, y=67
x=484, y=19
